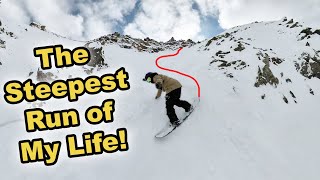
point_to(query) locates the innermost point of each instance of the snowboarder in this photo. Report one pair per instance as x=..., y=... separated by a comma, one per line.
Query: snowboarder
x=172, y=87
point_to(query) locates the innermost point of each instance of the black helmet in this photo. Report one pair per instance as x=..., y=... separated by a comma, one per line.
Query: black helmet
x=149, y=76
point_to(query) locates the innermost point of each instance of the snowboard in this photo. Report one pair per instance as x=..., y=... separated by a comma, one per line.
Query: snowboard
x=169, y=128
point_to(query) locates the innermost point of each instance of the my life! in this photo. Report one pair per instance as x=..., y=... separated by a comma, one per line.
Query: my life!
x=37, y=119
x=93, y=143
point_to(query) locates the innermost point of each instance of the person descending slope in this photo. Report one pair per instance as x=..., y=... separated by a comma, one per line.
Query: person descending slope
x=172, y=87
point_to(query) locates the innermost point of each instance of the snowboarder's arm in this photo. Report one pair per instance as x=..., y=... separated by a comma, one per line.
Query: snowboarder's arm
x=158, y=81
x=158, y=93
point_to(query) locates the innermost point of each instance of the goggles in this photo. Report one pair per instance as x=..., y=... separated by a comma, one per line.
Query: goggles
x=149, y=79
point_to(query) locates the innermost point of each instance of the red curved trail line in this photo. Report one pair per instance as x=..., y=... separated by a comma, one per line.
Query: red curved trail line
x=175, y=71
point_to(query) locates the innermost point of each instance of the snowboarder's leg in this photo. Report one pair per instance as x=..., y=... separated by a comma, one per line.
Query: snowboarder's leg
x=171, y=99
x=181, y=103
x=184, y=104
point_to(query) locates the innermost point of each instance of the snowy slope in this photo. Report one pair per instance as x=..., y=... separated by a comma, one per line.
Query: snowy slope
x=242, y=129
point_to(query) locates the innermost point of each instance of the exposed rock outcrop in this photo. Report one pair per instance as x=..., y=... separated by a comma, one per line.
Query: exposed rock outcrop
x=39, y=26
x=240, y=47
x=265, y=75
x=309, y=65
x=142, y=45
x=96, y=57
x=44, y=77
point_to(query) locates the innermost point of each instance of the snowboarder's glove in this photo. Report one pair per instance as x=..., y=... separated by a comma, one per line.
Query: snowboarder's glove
x=158, y=85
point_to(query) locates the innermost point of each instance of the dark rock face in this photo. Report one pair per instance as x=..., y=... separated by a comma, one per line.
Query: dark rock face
x=276, y=60
x=226, y=66
x=172, y=40
x=44, y=77
x=240, y=47
x=96, y=57
x=237, y=65
x=309, y=66
x=215, y=38
x=222, y=54
x=285, y=99
x=308, y=32
x=290, y=22
x=39, y=26
x=317, y=32
x=288, y=80
x=209, y=42
x=265, y=75
x=2, y=44
x=142, y=45
x=294, y=25
x=4, y=31
x=311, y=91
x=292, y=94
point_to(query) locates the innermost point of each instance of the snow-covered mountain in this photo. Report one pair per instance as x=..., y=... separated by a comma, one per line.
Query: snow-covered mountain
x=257, y=119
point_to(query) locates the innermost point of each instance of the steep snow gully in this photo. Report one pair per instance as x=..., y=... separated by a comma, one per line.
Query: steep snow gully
x=178, y=72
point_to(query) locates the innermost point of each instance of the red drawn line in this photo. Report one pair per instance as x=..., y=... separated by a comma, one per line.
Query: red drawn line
x=175, y=71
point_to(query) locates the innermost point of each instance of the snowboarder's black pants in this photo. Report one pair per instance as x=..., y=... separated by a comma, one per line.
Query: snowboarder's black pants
x=173, y=98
